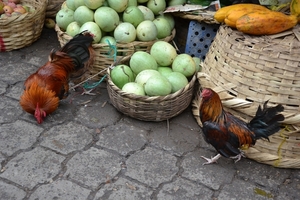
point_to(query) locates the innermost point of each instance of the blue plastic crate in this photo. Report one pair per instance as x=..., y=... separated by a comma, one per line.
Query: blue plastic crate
x=199, y=38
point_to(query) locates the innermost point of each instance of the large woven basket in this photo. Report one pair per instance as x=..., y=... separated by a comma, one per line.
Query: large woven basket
x=155, y=108
x=53, y=7
x=19, y=31
x=248, y=70
x=102, y=60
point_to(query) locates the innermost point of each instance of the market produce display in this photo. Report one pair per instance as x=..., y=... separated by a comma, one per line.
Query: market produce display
x=144, y=74
x=238, y=11
x=265, y=23
x=258, y=20
x=125, y=21
x=10, y=8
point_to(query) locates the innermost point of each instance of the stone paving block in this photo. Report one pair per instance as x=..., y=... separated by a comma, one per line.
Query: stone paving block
x=122, y=138
x=18, y=135
x=240, y=189
x=36, y=61
x=60, y=189
x=1, y=158
x=183, y=189
x=33, y=167
x=295, y=173
x=19, y=72
x=10, y=192
x=213, y=175
x=188, y=118
x=93, y=167
x=66, y=138
x=289, y=189
x=3, y=87
x=178, y=141
x=261, y=174
x=10, y=110
x=147, y=125
x=12, y=57
x=95, y=114
x=15, y=91
x=123, y=189
x=151, y=166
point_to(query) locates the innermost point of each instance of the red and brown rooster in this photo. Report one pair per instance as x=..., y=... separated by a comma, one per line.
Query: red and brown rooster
x=227, y=133
x=50, y=83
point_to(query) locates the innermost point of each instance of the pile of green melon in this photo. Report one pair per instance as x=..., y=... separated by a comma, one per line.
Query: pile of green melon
x=158, y=73
x=117, y=21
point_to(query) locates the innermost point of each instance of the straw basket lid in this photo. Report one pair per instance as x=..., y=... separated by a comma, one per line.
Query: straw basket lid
x=19, y=31
x=53, y=7
x=246, y=71
x=102, y=59
x=155, y=108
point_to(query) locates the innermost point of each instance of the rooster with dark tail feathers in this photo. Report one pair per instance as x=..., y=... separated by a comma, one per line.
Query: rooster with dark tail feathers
x=227, y=133
x=50, y=83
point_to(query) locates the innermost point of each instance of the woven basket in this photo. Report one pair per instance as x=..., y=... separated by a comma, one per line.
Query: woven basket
x=156, y=108
x=53, y=7
x=201, y=16
x=248, y=70
x=19, y=31
x=102, y=60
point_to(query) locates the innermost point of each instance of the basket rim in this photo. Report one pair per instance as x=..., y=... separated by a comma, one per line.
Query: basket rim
x=149, y=98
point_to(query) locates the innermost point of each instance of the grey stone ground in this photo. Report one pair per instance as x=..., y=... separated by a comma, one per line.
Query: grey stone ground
x=95, y=152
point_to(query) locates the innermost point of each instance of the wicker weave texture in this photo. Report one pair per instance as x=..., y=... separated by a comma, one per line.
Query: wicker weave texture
x=246, y=71
x=283, y=149
x=255, y=69
x=156, y=108
x=102, y=60
x=19, y=31
x=53, y=7
x=202, y=16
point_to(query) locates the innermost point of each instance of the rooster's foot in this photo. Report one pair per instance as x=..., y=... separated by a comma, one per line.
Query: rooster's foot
x=211, y=160
x=238, y=157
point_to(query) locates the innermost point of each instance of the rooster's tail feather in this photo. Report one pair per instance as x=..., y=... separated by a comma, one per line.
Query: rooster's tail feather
x=79, y=49
x=266, y=121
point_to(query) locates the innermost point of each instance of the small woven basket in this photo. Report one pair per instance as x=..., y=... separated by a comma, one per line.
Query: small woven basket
x=248, y=70
x=19, y=31
x=53, y=7
x=102, y=60
x=156, y=108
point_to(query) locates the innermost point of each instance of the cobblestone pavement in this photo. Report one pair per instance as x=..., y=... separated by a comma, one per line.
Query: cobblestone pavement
x=91, y=151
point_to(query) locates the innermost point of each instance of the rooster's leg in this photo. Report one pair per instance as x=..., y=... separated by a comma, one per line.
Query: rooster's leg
x=238, y=157
x=211, y=160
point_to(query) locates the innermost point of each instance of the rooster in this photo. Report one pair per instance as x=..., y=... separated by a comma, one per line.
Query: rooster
x=226, y=133
x=50, y=83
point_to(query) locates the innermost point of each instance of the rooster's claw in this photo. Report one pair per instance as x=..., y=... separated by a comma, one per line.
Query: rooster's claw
x=211, y=160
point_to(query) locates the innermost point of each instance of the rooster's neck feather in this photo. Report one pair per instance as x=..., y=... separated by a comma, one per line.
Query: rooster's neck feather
x=211, y=109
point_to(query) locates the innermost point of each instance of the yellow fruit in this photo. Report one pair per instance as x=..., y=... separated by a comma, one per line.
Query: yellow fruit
x=265, y=23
